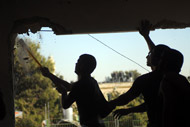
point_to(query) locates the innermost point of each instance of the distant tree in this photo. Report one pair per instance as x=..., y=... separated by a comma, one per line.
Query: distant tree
x=118, y=76
x=32, y=90
x=26, y=122
x=132, y=73
x=123, y=76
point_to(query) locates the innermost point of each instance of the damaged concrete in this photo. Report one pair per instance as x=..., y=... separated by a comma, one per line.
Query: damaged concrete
x=35, y=24
x=168, y=24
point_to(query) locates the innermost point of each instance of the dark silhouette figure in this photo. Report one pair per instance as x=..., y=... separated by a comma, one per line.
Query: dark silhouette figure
x=144, y=30
x=174, y=91
x=147, y=84
x=2, y=107
x=91, y=104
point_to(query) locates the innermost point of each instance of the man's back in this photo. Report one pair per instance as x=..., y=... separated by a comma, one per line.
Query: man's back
x=175, y=89
x=89, y=100
x=148, y=85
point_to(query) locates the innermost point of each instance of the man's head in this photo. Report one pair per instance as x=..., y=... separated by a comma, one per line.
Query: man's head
x=154, y=56
x=172, y=60
x=85, y=64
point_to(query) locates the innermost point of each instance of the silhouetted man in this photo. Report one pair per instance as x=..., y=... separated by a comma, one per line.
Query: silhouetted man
x=147, y=84
x=174, y=91
x=91, y=104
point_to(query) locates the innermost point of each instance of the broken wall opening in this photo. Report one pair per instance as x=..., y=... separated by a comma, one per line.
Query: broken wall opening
x=26, y=77
x=106, y=54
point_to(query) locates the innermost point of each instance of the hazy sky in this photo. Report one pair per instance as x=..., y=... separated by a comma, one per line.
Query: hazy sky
x=66, y=49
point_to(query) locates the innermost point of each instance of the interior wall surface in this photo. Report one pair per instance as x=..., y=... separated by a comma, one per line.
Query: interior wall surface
x=78, y=17
x=6, y=79
x=100, y=16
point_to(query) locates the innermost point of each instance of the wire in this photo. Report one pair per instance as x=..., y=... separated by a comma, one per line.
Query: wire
x=118, y=52
x=109, y=48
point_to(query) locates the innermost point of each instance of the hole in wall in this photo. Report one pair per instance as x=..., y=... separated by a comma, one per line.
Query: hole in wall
x=63, y=51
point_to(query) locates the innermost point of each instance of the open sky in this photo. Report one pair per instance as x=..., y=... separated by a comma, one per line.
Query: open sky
x=66, y=49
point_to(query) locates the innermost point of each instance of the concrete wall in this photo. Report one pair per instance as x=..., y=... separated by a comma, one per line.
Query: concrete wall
x=6, y=82
x=119, y=87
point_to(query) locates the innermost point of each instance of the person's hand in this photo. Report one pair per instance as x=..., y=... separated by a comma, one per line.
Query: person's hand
x=121, y=112
x=45, y=71
x=145, y=27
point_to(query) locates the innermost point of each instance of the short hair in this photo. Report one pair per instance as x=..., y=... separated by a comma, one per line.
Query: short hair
x=89, y=62
x=172, y=60
x=157, y=52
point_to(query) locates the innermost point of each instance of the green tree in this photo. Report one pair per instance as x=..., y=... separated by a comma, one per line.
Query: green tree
x=132, y=73
x=32, y=90
x=123, y=76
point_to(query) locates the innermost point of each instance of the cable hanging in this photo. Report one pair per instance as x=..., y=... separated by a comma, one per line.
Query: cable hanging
x=109, y=48
x=118, y=52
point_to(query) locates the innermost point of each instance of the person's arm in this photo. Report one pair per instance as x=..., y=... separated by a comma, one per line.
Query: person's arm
x=66, y=99
x=57, y=81
x=122, y=112
x=144, y=30
x=140, y=108
x=131, y=94
x=123, y=99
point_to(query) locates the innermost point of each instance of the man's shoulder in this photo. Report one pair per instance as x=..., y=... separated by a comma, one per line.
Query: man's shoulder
x=76, y=84
x=153, y=74
x=174, y=76
x=149, y=76
x=145, y=76
x=85, y=81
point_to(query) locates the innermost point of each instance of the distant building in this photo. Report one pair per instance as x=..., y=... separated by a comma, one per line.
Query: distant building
x=68, y=114
x=120, y=87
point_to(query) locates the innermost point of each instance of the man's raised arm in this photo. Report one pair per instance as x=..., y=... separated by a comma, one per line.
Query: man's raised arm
x=144, y=30
x=57, y=81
